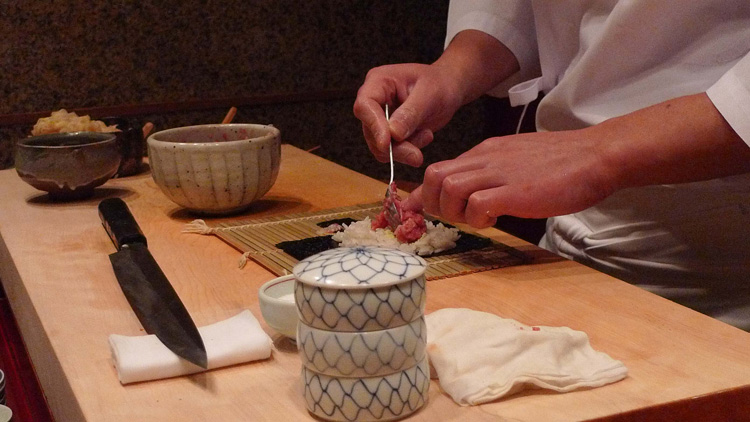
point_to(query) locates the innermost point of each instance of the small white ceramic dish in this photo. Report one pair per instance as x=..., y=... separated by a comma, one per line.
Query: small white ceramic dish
x=360, y=289
x=276, y=298
x=215, y=169
x=383, y=398
x=362, y=354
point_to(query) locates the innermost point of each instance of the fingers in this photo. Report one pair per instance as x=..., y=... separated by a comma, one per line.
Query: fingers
x=457, y=190
x=413, y=202
x=412, y=113
x=422, y=110
x=463, y=191
x=483, y=207
x=379, y=155
x=422, y=138
x=407, y=153
x=374, y=126
x=434, y=183
x=486, y=205
x=404, y=121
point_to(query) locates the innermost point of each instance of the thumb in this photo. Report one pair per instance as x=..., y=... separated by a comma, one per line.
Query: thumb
x=409, y=116
x=413, y=202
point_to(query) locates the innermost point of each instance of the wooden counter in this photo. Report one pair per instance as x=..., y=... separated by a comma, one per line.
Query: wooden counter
x=55, y=268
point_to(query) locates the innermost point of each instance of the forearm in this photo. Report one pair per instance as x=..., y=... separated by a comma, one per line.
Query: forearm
x=681, y=140
x=477, y=62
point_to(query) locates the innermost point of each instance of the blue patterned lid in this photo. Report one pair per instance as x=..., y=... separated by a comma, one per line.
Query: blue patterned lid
x=359, y=267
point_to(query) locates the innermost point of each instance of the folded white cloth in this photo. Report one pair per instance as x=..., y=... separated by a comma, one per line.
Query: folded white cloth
x=235, y=340
x=480, y=357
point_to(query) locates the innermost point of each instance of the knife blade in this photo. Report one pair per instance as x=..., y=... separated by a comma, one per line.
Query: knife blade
x=147, y=289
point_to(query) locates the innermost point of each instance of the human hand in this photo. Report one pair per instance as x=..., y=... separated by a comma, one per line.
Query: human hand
x=428, y=99
x=545, y=174
x=533, y=175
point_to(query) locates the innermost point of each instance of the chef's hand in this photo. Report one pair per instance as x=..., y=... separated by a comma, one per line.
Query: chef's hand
x=421, y=101
x=531, y=175
x=546, y=174
x=423, y=98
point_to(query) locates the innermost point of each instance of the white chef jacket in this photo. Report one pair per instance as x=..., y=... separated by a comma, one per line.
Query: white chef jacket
x=600, y=59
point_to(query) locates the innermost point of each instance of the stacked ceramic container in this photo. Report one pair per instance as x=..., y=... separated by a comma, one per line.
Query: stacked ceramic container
x=362, y=334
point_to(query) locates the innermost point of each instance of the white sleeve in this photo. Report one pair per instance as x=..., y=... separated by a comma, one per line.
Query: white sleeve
x=509, y=21
x=731, y=96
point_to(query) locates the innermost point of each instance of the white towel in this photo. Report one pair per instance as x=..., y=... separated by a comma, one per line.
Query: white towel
x=480, y=357
x=235, y=340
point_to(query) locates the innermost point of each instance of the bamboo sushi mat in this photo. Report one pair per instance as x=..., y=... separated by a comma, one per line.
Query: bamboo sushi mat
x=257, y=239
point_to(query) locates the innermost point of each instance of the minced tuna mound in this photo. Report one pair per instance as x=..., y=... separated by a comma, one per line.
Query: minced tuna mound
x=412, y=225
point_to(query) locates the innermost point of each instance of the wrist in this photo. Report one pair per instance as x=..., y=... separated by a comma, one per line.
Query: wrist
x=453, y=84
x=475, y=62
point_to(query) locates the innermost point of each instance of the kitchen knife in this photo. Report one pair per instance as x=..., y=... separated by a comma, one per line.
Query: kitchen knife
x=145, y=286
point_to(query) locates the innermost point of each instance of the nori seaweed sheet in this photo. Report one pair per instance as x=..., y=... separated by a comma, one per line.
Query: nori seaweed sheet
x=301, y=249
x=467, y=242
x=346, y=220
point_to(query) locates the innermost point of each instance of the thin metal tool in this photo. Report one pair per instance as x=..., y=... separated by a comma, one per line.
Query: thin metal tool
x=391, y=211
x=390, y=144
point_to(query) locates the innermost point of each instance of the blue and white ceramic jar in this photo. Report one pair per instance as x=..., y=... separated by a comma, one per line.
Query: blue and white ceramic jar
x=362, y=335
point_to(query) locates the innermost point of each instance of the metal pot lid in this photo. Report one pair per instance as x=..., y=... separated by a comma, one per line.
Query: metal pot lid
x=359, y=267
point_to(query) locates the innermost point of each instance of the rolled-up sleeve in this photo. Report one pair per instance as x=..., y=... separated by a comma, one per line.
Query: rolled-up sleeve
x=509, y=21
x=731, y=96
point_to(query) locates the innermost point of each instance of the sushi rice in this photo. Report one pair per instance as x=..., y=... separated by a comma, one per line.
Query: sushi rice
x=436, y=239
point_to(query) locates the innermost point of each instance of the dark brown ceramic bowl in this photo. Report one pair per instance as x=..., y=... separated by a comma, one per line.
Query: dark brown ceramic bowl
x=68, y=165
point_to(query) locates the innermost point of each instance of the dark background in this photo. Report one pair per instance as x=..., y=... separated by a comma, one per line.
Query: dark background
x=293, y=64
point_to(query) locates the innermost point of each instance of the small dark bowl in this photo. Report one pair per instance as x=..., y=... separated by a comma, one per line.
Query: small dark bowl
x=68, y=165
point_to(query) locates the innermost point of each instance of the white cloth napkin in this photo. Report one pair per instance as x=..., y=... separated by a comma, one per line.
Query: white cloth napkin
x=480, y=357
x=235, y=340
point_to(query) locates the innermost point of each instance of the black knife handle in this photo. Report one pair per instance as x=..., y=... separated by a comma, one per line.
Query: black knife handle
x=120, y=223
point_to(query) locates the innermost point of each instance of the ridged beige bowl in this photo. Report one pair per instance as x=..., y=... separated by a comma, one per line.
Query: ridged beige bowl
x=215, y=169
